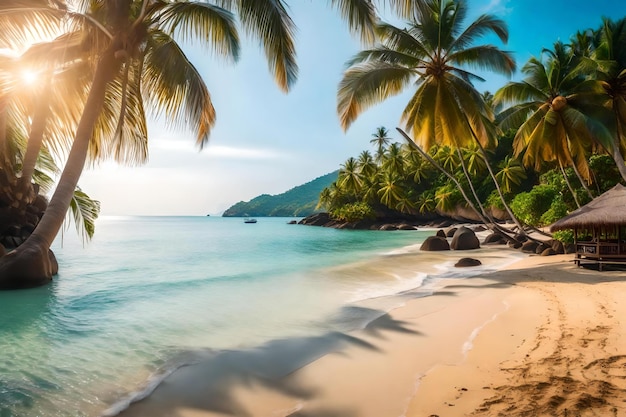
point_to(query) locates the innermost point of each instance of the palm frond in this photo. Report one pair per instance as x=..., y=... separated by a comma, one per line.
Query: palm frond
x=519, y=92
x=483, y=25
x=486, y=57
x=84, y=212
x=213, y=25
x=385, y=54
x=360, y=15
x=269, y=21
x=366, y=84
x=172, y=86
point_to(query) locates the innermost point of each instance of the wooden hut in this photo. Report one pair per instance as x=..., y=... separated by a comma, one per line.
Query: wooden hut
x=599, y=229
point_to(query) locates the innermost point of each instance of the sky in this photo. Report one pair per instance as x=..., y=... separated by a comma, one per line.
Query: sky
x=266, y=142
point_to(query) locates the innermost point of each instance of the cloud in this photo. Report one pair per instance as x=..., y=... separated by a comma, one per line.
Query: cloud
x=497, y=7
x=220, y=151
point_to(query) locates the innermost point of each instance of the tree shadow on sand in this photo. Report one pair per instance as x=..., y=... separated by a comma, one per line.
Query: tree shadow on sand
x=210, y=384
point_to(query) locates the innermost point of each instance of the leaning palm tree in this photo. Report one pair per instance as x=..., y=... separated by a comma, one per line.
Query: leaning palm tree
x=136, y=56
x=433, y=53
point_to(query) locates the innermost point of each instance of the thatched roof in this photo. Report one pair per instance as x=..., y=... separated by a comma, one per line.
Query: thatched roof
x=609, y=209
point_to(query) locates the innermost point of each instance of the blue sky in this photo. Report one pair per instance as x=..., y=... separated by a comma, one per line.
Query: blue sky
x=266, y=141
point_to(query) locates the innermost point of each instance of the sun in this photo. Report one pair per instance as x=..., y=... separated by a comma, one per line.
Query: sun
x=29, y=77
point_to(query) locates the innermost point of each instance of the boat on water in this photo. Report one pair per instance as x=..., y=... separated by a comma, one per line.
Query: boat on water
x=249, y=220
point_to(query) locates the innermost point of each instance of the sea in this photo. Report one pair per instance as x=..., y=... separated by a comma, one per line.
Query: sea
x=148, y=295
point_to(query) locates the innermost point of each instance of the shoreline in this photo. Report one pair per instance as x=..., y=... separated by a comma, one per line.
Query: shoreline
x=453, y=353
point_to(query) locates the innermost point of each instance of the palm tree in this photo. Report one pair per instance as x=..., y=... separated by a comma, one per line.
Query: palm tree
x=350, y=177
x=557, y=119
x=393, y=160
x=610, y=55
x=511, y=173
x=367, y=165
x=432, y=54
x=380, y=139
x=139, y=50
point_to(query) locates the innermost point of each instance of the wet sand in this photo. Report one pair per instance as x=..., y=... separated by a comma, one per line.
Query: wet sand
x=541, y=337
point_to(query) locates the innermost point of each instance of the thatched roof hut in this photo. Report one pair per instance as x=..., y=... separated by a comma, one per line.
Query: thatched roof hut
x=607, y=210
x=603, y=223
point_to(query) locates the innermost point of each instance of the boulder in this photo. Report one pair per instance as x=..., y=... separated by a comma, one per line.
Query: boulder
x=451, y=231
x=441, y=233
x=388, y=227
x=479, y=228
x=530, y=246
x=464, y=239
x=292, y=222
x=467, y=262
x=570, y=248
x=515, y=245
x=494, y=239
x=558, y=247
x=435, y=243
x=541, y=247
x=548, y=252
x=521, y=238
x=405, y=226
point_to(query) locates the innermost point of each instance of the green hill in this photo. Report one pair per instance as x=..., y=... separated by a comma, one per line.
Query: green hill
x=300, y=201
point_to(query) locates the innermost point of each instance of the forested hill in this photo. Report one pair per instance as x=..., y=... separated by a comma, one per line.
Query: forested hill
x=300, y=201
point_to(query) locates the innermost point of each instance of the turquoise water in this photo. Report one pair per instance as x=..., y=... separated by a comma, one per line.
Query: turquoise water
x=147, y=292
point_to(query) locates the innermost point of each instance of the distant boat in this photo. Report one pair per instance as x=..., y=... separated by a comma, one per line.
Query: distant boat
x=249, y=220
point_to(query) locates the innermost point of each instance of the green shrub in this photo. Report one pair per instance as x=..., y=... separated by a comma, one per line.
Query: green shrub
x=565, y=236
x=529, y=207
x=557, y=210
x=353, y=212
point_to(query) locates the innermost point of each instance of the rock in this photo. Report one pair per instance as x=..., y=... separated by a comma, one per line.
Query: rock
x=570, y=248
x=450, y=232
x=494, y=239
x=435, y=243
x=292, y=222
x=3, y=251
x=467, y=262
x=515, y=245
x=530, y=246
x=388, y=227
x=558, y=247
x=405, y=226
x=521, y=238
x=548, y=252
x=318, y=219
x=441, y=233
x=541, y=247
x=464, y=239
x=480, y=228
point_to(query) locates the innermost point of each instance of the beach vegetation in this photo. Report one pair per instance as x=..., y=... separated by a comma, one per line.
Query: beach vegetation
x=433, y=55
x=353, y=212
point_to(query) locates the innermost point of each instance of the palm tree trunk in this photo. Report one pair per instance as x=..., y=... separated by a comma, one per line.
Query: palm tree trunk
x=35, y=139
x=471, y=185
x=616, y=153
x=571, y=189
x=495, y=181
x=30, y=264
x=4, y=141
x=446, y=173
x=582, y=180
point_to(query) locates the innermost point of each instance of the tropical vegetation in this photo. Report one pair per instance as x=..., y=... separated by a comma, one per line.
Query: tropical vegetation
x=106, y=64
x=537, y=149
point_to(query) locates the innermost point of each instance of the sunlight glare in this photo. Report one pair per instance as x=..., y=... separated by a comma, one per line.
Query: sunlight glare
x=29, y=77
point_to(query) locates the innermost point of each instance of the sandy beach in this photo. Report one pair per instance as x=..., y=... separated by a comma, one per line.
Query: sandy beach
x=541, y=337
